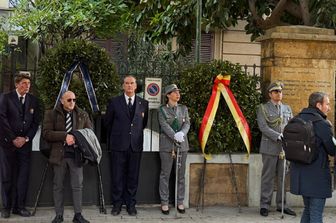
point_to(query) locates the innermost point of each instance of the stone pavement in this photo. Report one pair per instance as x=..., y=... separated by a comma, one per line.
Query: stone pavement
x=152, y=213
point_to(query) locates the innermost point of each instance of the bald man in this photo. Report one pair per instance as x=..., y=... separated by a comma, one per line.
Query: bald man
x=67, y=117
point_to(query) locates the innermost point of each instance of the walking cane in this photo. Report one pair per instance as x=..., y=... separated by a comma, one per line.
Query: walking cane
x=177, y=167
x=102, y=208
x=283, y=156
x=40, y=187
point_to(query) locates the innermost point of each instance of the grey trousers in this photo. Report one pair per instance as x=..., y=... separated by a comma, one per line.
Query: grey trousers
x=272, y=167
x=76, y=180
x=166, y=167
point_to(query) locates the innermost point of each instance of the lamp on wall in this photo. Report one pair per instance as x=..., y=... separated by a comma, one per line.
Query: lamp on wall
x=13, y=43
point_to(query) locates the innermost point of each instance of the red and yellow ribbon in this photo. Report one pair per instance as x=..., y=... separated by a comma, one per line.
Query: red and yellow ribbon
x=221, y=85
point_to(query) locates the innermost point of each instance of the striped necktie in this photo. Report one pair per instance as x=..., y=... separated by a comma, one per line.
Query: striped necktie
x=68, y=123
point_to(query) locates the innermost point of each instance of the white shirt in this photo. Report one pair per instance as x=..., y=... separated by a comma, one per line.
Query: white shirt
x=19, y=95
x=126, y=98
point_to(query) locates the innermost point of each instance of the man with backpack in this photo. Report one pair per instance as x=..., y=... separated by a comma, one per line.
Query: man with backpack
x=272, y=117
x=313, y=181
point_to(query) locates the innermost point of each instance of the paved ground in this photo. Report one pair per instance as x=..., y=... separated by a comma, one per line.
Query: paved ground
x=151, y=213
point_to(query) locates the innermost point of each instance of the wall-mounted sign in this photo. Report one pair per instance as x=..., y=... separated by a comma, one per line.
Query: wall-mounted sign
x=153, y=92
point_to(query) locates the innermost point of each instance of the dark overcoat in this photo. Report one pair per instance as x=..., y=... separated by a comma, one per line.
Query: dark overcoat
x=56, y=134
x=314, y=180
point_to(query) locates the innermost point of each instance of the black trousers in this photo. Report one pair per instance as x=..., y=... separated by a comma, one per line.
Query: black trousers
x=15, y=169
x=125, y=166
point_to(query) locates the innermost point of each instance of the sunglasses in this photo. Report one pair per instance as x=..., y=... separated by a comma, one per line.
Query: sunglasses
x=71, y=99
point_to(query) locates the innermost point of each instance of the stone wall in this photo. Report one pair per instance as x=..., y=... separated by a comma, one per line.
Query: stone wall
x=219, y=187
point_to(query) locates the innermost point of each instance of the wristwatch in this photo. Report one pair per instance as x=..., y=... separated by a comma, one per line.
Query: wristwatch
x=27, y=139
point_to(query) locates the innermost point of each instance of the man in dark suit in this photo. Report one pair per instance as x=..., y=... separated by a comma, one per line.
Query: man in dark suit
x=126, y=118
x=19, y=121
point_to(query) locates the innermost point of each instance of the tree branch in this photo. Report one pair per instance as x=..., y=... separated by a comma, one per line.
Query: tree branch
x=293, y=9
x=304, y=6
x=271, y=21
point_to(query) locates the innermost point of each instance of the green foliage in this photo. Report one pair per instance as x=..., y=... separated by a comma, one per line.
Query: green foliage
x=58, y=60
x=196, y=87
x=162, y=20
x=55, y=20
x=155, y=60
x=3, y=35
x=324, y=13
x=3, y=41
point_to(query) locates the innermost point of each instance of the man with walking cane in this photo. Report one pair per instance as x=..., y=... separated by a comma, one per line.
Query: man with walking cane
x=272, y=117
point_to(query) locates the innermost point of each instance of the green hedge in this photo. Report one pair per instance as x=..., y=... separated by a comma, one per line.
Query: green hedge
x=196, y=85
x=58, y=60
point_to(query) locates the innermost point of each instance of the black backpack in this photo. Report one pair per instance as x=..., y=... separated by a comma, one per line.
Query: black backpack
x=299, y=140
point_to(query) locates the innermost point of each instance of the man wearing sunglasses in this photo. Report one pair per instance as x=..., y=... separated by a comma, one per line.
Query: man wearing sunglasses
x=57, y=125
x=272, y=117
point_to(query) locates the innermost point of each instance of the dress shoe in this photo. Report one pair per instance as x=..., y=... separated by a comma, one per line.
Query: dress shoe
x=58, y=219
x=287, y=211
x=116, y=210
x=180, y=209
x=22, y=212
x=5, y=213
x=132, y=211
x=264, y=212
x=165, y=209
x=78, y=218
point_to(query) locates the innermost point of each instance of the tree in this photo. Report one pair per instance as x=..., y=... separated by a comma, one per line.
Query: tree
x=163, y=19
x=267, y=14
x=59, y=59
x=54, y=21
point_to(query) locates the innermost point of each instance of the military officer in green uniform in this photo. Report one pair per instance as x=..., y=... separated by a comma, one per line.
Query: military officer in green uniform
x=174, y=124
x=272, y=117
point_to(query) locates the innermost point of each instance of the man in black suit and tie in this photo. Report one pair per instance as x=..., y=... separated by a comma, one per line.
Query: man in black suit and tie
x=126, y=118
x=19, y=121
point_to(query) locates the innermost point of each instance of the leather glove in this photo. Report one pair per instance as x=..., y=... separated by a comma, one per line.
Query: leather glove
x=179, y=137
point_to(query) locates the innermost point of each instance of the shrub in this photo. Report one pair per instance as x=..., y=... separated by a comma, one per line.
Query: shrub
x=196, y=86
x=58, y=60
